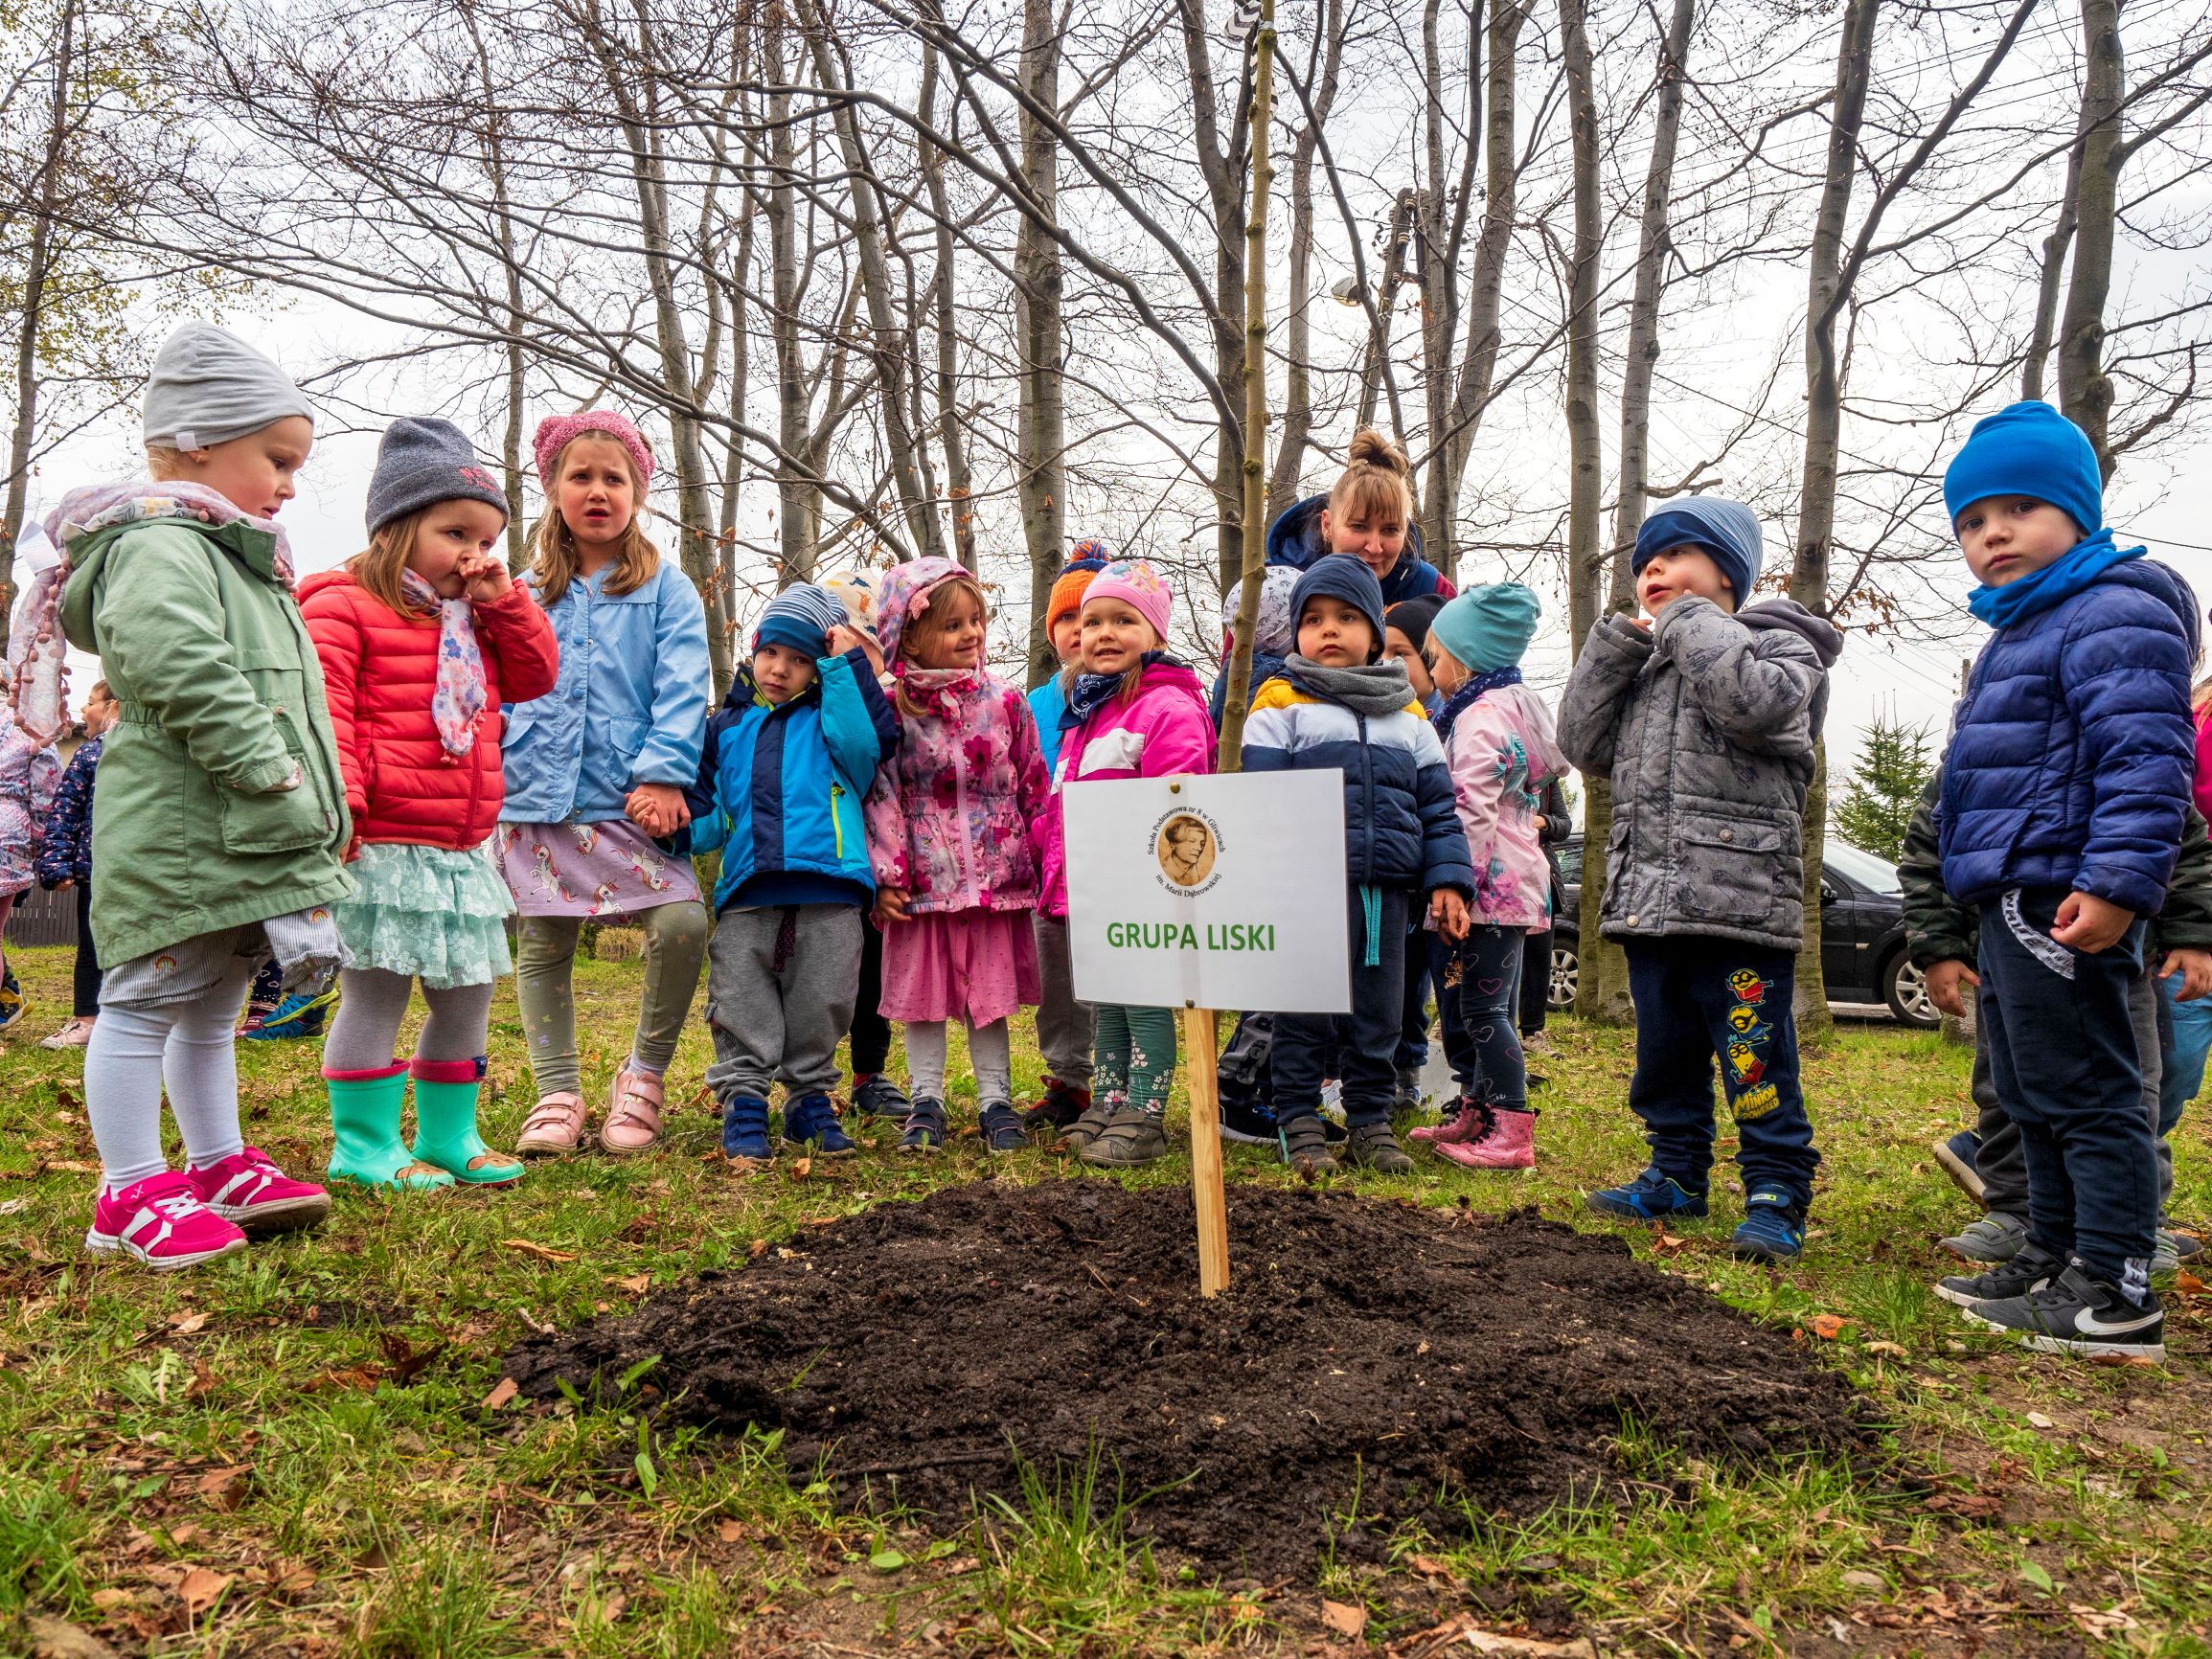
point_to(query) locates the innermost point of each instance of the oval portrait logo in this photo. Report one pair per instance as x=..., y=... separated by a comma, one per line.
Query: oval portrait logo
x=1187, y=844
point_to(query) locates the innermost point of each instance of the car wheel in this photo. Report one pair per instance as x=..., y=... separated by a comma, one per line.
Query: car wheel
x=1904, y=987
x=1566, y=974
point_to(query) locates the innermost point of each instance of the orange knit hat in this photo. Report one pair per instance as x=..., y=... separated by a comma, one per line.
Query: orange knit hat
x=1067, y=595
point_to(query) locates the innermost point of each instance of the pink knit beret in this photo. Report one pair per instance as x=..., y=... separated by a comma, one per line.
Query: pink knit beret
x=556, y=432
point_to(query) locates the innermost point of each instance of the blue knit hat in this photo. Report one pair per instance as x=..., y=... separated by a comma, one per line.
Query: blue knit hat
x=1488, y=627
x=1727, y=532
x=1341, y=575
x=800, y=618
x=2028, y=449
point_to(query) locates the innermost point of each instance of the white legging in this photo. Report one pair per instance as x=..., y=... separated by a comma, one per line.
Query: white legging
x=990, y=1053
x=183, y=1046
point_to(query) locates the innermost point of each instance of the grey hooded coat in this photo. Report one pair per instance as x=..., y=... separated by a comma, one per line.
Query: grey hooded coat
x=1706, y=727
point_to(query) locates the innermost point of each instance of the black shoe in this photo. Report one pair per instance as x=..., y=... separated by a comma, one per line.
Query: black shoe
x=881, y=1098
x=1061, y=1106
x=1002, y=1130
x=1305, y=1146
x=924, y=1128
x=1373, y=1146
x=2026, y=1271
x=1246, y=1126
x=2077, y=1315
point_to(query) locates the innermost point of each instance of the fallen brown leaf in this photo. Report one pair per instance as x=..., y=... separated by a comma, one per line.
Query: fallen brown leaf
x=1429, y=1566
x=637, y=1283
x=181, y=1536
x=184, y=1324
x=294, y=1579
x=1528, y=1648
x=364, y=1377
x=757, y=1249
x=507, y=1390
x=731, y=1531
x=59, y=1638
x=801, y=1168
x=199, y=1589
x=1828, y=1327
x=408, y=1361
x=1345, y=1619
x=2187, y=1282
x=542, y=1251
x=224, y=1488
x=1893, y=1349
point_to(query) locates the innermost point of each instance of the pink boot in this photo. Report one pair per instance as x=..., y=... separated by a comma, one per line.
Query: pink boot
x=1471, y=1123
x=1509, y=1146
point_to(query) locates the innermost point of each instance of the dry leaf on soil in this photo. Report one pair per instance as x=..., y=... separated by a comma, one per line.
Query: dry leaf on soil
x=637, y=1283
x=200, y=1588
x=1828, y=1327
x=224, y=1488
x=542, y=1251
x=1344, y=1618
x=507, y=1390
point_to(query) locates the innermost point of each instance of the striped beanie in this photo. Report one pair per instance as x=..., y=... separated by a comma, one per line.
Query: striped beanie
x=800, y=618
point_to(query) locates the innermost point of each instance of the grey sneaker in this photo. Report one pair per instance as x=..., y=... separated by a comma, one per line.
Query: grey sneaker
x=1087, y=1126
x=1129, y=1139
x=2165, y=1256
x=1305, y=1144
x=2026, y=1273
x=1994, y=1238
x=1373, y=1146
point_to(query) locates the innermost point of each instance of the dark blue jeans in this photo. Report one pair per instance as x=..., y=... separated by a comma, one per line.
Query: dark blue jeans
x=1412, y=1053
x=1478, y=987
x=1359, y=1044
x=1698, y=1000
x=2062, y=1049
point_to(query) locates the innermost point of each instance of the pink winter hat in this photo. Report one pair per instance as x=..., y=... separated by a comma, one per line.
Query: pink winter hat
x=1138, y=586
x=556, y=431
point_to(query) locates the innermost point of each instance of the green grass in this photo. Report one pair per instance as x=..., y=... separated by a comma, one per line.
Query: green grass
x=384, y=1510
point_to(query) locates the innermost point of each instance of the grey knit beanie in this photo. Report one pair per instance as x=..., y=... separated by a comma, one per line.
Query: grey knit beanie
x=207, y=387
x=422, y=461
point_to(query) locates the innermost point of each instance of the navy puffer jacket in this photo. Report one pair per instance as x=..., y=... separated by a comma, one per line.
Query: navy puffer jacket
x=2071, y=753
x=1295, y=540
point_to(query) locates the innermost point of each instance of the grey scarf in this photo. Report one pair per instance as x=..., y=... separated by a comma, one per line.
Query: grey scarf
x=1376, y=690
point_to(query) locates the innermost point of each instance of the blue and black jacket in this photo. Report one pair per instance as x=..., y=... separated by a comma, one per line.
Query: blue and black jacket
x=780, y=788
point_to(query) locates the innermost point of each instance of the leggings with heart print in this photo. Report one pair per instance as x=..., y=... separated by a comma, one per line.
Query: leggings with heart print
x=1478, y=990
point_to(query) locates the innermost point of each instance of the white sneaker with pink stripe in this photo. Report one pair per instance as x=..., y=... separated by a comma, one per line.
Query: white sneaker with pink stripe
x=161, y=1223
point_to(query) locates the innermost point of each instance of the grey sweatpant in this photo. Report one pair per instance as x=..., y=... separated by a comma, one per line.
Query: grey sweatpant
x=781, y=984
x=1999, y=1163
x=1065, y=1028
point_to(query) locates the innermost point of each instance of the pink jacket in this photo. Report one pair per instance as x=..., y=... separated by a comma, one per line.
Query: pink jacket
x=948, y=816
x=1165, y=729
x=1501, y=750
x=2203, y=784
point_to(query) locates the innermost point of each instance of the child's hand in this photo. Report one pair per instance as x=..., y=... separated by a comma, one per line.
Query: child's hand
x=2194, y=967
x=1449, y=911
x=2089, y=923
x=843, y=639
x=484, y=577
x=658, y=808
x=891, y=905
x=1946, y=986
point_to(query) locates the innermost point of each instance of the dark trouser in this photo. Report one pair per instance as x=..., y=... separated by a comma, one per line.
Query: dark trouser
x=87, y=986
x=871, y=1031
x=2063, y=1055
x=1536, y=980
x=1363, y=1041
x=1698, y=999
x=1412, y=1052
x=1245, y=1073
x=1478, y=982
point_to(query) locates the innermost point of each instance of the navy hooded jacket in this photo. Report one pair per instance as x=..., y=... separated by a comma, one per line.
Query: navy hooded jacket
x=2072, y=752
x=1295, y=540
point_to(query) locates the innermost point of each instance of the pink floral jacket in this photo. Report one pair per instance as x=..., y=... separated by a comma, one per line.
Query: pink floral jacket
x=948, y=815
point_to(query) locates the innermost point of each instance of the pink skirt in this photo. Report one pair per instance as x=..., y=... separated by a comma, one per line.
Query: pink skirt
x=975, y=965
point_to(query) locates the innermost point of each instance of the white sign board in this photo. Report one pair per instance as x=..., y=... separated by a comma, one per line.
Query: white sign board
x=1209, y=891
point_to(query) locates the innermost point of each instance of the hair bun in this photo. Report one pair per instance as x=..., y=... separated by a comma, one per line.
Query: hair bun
x=1374, y=448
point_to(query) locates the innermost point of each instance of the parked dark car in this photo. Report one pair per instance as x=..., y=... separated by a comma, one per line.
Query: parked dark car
x=1861, y=934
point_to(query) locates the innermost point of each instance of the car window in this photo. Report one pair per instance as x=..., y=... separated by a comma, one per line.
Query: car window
x=1878, y=874
x=1571, y=862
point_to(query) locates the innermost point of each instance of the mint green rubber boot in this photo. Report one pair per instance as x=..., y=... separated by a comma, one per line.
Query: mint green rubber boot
x=445, y=1133
x=365, y=1112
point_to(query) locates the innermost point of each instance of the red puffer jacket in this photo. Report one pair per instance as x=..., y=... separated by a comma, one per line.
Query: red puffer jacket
x=381, y=669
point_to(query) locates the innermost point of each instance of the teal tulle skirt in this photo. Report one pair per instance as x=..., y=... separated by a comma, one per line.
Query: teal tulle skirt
x=425, y=911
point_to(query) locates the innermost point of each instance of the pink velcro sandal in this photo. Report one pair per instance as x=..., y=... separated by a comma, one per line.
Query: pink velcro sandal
x=633, y=1121
x=554, y=1128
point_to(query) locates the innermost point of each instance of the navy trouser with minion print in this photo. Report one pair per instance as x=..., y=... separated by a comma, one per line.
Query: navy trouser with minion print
x=1699, y=1001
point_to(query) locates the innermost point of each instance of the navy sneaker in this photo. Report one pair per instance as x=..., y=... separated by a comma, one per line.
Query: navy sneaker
x=1245, y=1125
x=1772, y=1228
x=880, y=1098
x=924, y=1128
x=1649, y=1197
x=1001, y=1126
x=2023, y=1273
x=745, y=1129
x=810, y=1120
x=1958, y=1156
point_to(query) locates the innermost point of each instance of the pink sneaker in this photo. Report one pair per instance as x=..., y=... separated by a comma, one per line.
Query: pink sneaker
x=248, y=1190
x=633, y=1120
x=159, y=1221
x=1509, y=1145
x=1471, y=1123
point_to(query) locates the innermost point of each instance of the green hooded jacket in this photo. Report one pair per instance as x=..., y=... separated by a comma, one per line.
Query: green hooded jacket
x=221, y=698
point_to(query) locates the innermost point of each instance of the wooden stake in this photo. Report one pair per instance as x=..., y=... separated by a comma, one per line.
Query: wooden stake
x=1206, y=1151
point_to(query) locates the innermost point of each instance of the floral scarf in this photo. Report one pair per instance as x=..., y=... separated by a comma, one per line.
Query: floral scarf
x=459, y=695
x=936, y=689
x=101, y=507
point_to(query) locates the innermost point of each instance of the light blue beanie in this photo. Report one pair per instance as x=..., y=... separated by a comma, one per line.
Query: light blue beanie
x=1488, y=627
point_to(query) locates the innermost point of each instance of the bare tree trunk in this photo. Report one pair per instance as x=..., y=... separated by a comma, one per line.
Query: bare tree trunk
x=1229, y=756
x=2084, y=391
x=1585, y=479
x=1823, y=437
x=491, y=151
x=959, y=487
x=798, y=499
x=1372, y=371
x=1297, y=378
x=30, y=314
x=2050, y=282
x=1222, y=166
x=1040, y=475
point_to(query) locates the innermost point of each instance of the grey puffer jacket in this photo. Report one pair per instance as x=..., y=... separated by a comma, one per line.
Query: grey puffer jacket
x=1706, y=727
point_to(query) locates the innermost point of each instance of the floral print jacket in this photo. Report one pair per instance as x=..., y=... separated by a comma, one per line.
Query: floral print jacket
x=1502, y=752
x=948, y=816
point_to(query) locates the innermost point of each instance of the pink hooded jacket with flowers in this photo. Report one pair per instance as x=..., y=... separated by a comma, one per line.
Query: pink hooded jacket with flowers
x=1502, y=751
x=948, y=815
x=1164, y=730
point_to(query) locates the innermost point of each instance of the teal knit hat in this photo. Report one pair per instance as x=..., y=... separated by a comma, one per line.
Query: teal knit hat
x=1488, y=627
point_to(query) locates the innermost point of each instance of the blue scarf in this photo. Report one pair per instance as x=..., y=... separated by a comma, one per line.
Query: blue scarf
x=2032, y=595
x=1091, y=692
x=1461, y=700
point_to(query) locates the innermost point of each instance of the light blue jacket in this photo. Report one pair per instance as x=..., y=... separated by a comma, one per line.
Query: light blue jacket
x=629, y=708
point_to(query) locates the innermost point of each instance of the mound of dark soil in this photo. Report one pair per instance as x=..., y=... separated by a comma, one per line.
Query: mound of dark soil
x=1367, y=1344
